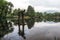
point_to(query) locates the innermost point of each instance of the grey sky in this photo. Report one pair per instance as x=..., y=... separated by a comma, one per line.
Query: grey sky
x=47, y=3
x=39, y=5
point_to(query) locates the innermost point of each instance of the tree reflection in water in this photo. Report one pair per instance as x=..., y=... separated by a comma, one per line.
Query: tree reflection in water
x=30, y=22
x=5, y=28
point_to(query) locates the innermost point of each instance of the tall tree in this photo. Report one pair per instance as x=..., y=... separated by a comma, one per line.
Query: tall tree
x=30, y=11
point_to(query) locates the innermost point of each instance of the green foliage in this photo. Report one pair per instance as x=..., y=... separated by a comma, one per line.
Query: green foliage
x=38, y=15
x=16, y=12
x=5, y=9
x=30, y=11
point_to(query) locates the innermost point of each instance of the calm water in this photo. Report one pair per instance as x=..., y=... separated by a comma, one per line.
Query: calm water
x=47, y=30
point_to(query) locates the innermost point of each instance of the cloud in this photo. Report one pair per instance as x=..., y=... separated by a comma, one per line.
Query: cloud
x=39, y=5
x=42, y=5
x=47, y=3
x=22, y=4
x=42, y=8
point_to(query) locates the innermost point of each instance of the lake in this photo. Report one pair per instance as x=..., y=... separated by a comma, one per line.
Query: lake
x=41, y=30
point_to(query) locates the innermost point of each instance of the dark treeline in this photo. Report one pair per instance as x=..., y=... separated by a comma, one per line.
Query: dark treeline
x=30, y=13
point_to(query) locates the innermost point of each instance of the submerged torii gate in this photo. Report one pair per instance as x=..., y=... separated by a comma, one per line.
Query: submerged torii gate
x=22, y=15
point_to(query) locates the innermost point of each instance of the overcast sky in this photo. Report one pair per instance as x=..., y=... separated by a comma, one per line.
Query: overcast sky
x=39, y=5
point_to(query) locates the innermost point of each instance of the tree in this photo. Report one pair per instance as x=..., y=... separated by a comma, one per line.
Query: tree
x=38, y=14
x=30, y=11
x=5, y=8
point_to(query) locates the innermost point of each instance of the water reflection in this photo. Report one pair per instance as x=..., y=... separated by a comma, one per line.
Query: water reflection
x=30, y=22
x=52, y=19
x=47, y=19
x=5, y=28
x=21, y=33
x=38, y=19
